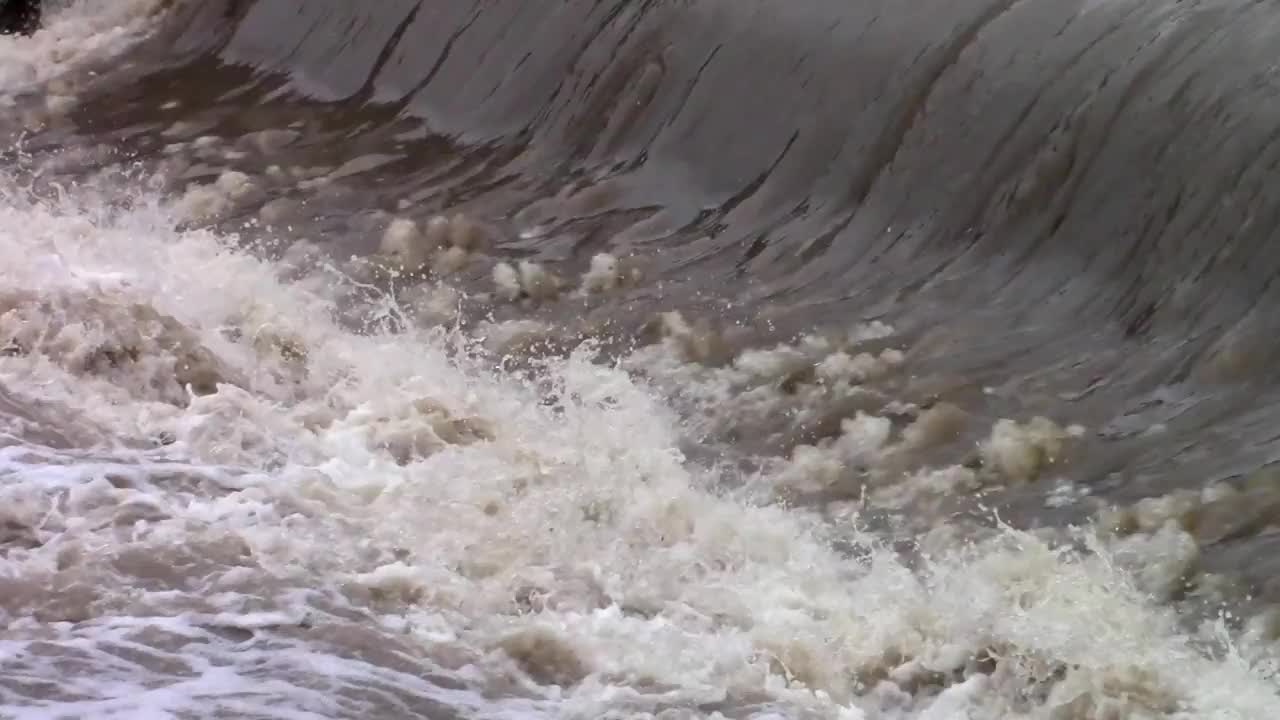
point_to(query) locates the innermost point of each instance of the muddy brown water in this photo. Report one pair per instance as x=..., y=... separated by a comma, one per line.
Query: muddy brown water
x=1064, y=209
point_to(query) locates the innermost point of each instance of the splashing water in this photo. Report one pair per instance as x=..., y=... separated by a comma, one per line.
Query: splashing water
x=221, y=500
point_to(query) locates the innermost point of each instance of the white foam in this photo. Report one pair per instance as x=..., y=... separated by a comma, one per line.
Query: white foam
x=568, y=542
x=73, y=33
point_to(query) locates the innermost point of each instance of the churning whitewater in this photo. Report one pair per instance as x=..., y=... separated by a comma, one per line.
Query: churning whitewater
x=271, y=450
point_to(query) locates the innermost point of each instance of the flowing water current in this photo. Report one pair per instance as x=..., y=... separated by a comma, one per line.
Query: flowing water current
x=842, y=359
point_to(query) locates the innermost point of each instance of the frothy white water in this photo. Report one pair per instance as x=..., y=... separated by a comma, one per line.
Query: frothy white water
x=216, y=500
x=196, y=446
x=73, y=32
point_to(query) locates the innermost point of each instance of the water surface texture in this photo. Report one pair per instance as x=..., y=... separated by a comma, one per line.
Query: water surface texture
x=848, y=359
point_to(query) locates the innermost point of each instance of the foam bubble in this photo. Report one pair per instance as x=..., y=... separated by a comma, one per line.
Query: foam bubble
x=1019, y=452
x=407, y=244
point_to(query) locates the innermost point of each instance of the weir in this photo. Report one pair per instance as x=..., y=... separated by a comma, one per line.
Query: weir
x=835, y=359
x=1100, y=160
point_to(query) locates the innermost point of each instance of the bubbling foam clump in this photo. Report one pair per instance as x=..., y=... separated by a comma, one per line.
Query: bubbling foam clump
x=129, y=345
x=214, y=200
x=444, y=244
x=1020, y=452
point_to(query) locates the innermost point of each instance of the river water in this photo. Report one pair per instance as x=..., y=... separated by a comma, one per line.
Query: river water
x=714, y=359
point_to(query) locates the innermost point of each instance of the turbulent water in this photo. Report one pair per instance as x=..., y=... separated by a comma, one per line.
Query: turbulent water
x=856, y=359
